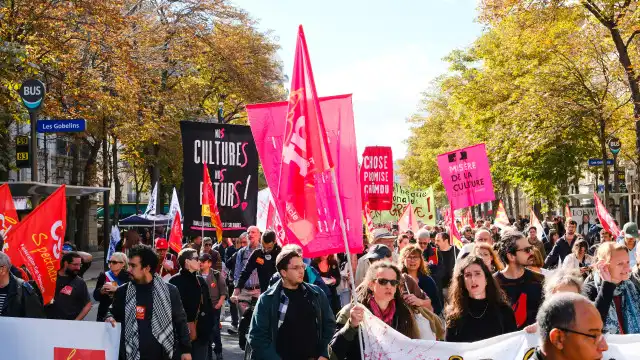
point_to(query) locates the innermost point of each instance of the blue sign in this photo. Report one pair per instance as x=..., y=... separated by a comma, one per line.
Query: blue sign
x=598, y=162
x=59, y=126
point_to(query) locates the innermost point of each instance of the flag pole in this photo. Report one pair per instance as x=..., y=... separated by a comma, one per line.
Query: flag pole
x=202, y=227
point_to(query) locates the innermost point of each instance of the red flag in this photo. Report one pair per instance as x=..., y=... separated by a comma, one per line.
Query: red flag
x=605, y=218
x=209, y=203
x=274, y=223
x=408, y=220
x=453, y=230
x=366, y=213
x=567, y=213
x=8, y=214
x=39, y=238
x=305, y=153
x=175, y=238
x=501, y=220
x=470, y=219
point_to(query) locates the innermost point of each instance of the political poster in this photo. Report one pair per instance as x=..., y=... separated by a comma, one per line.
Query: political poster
x=376, y=177
x=466, y=176
x=231, y=157
x=58, y=339
x=422, y=202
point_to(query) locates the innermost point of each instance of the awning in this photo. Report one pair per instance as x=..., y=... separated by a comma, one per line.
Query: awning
x=29, y=188
x=145, y=220
x=125, y=210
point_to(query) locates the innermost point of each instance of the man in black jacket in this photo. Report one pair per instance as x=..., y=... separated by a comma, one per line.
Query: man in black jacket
x=263, y=260
x=154, y=324
x=194, y=293
x=563, y=246
x=17, y=297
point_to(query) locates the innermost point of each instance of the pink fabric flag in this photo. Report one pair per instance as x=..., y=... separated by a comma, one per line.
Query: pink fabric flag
x=466, y=176
x=605, y=218
x=408, y=220
x=267, y=125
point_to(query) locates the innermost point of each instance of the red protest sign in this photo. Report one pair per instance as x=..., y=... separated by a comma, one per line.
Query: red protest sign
x=39, y=238
x=376, y=177
x=78, y=354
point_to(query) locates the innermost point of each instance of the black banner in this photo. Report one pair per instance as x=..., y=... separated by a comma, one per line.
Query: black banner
x=232, y=159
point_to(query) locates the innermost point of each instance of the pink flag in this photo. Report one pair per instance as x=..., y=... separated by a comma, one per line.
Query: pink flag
x=605, y=218
x=408, y=220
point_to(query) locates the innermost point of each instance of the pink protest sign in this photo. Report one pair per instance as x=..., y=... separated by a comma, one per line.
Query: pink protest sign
x=267, y=123
x=466, y=176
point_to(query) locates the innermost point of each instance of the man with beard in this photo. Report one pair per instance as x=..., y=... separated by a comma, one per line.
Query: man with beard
x=563, y=246
x=71, y=300
x=522, y=286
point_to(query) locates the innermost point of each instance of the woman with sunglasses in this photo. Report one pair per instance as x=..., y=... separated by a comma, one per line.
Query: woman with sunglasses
x=478, y=309
x=412, y=263
x=380, y=294
x=109, y=281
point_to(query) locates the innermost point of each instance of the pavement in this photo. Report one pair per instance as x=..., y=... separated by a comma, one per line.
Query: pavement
x=230, y=348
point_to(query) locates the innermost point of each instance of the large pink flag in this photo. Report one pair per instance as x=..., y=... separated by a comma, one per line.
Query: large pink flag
x=267, y=125
x=605, y=218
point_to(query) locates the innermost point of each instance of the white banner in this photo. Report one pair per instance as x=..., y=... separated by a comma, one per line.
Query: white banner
x=58, y=339
x=383, y=342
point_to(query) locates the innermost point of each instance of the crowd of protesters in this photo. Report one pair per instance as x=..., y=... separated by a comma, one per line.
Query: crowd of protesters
x=286, y=306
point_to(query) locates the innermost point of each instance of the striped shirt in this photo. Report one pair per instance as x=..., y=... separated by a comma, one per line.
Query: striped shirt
x=3, y=297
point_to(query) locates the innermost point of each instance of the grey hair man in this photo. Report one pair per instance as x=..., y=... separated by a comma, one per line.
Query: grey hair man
x=17, y=297
x=566, y=336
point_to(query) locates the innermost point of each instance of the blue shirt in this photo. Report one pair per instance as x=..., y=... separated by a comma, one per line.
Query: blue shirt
x=242, y=257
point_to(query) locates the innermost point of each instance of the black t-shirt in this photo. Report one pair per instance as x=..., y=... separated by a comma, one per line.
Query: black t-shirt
x=70, y=298
x=3, y=297
x=297, y=337
x=525, y=295
x=150, y=348
x=448, y=262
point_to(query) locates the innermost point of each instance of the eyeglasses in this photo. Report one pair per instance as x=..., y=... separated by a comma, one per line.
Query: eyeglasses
x=528, y=249
x=413, y=258
x=208, y=244
x=597, y=338
x=113, y=262
x=298, y=267
x=384, y=282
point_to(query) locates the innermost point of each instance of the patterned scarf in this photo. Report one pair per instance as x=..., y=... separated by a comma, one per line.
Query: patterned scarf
x=630, y=308
x=161, y=320
x=387, y=314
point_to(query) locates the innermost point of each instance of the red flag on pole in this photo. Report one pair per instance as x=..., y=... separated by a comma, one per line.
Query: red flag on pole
x=501, y=220
x=368, y=220
x=605, y=218
x=39, y=238
x=453, y=230
x=175, y=238
x=305, y=152
x=8, y=214
x=209, y=203
x=567, y=213
x=408, y=220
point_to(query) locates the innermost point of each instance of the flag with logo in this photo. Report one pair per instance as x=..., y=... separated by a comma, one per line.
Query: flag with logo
x=501, y=220
x=8, y=213
x=153, y=200
x=209, y=203
x=605, y=218
x=175, y=238
x=408, y=220
x=305, y=155
x=39, y=239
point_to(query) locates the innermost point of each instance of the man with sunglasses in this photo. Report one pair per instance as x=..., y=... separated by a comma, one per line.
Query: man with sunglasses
x=522, y=286
x=564, y=334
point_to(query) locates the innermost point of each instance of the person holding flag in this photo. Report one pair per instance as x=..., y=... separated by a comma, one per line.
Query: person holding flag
x=109, y=281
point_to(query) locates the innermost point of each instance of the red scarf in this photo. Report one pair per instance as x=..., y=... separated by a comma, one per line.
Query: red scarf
x=387, y=314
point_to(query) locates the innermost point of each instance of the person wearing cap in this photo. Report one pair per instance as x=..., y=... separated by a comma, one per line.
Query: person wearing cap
x=218, y=293
x=380, y=236
x=167, y=262
x=630, y=240
x=262, y=260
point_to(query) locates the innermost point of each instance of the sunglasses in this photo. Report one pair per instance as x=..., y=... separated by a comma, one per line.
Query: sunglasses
x=113, y=262
x=384, y=282
x=528, y=249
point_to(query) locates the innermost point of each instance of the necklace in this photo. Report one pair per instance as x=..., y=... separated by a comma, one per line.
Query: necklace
x=481, y=315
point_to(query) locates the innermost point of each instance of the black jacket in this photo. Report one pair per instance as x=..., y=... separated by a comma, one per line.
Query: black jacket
x=194, y=293
x=182, y=343
x=22, y=300
x=264, y=264
x=104, y=299
x=559, y=251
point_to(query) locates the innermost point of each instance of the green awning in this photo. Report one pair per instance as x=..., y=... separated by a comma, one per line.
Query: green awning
x=126, y=210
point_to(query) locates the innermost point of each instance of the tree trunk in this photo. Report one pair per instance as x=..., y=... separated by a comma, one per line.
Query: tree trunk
x=82, y=233
x=509, y=201
x=516, y=200
x=116, y=180
x=72, y=219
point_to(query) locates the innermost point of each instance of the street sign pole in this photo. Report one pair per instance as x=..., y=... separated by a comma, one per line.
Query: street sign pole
x=33, y=117
x=32, y=94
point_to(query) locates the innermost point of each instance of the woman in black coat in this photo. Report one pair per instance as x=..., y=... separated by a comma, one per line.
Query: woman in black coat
x=109, y=281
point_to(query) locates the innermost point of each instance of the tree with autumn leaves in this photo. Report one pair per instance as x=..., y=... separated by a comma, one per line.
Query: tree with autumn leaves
x=544, y=86
x=133, y=69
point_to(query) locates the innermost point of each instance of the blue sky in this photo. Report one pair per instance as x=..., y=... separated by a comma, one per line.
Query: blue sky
x=386, y=53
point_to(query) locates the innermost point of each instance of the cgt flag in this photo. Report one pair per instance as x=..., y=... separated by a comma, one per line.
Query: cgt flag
x=501, y=220
x=8, y=214
x=305, y=154
x=607, y=222
x=209, y=204
x=39, y=238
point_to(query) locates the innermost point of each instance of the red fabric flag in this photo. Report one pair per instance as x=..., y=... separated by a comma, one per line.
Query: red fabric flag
x=305, y=154
x=39, y=238
x=175, y=238
x=501, y=220
x=605, y=218
x=368, y=220
x=454, y=234
x=408, y=220
x=567, y=213
x=8, y=214
x=274, y=223
x=209, y=203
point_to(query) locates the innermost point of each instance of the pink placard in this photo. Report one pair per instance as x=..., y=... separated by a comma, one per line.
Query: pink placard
x=267, y=123
x=466, y=176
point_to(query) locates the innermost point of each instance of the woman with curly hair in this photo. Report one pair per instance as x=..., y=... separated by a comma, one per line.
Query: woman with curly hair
x=477, y=309
x=490, y=257
x=412, y=263
x=380, y=294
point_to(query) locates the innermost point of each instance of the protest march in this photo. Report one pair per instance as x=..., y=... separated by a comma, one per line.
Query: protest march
x=283, y=237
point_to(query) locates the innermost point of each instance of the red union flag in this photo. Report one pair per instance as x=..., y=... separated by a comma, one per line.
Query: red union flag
x=8, y=214
x=39, y=238
x=605, y=218
x=175, y=238
x=305, y=155
x=376, y=177
x=209, y=203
